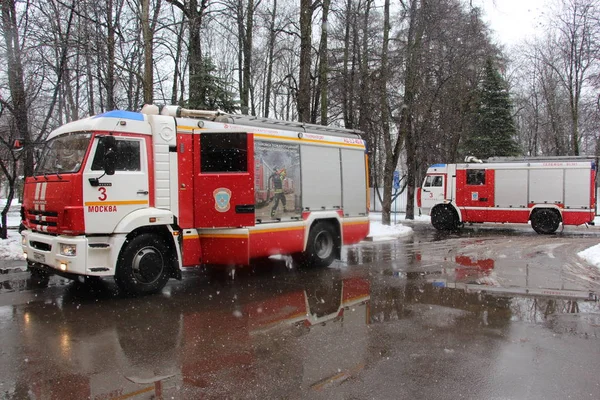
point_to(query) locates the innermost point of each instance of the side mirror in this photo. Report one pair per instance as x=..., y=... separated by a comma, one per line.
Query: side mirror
x=110, y=155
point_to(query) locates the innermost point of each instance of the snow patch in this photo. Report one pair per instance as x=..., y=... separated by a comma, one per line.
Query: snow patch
x=591, y=255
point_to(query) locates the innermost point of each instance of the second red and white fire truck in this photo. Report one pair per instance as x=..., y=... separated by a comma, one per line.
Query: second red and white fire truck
x=139, y=196
x=545, y=192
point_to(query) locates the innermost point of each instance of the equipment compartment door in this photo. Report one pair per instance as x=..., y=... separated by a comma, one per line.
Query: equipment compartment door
x=475, y=193
x=224, y=179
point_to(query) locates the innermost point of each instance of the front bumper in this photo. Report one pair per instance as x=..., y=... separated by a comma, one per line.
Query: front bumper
x=94, y=256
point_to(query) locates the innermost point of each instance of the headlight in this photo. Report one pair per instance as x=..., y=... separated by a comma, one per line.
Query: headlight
x=68, y=250
x=23, y=241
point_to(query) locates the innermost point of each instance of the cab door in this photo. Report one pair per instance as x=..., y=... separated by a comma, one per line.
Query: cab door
x=224, y=179
x=107, y=199
x=433, y=191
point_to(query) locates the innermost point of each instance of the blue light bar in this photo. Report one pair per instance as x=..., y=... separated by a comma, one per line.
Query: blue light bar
x=122, y=115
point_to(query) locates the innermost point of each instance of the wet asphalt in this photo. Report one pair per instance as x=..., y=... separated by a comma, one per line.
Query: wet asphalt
x=486, y=313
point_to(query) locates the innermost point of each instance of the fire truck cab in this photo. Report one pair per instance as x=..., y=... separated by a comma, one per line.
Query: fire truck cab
x=544, y=192
x=142, y=195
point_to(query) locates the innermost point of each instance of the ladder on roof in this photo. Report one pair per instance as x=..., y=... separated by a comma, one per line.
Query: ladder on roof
x=540, y=159
x=218, y=116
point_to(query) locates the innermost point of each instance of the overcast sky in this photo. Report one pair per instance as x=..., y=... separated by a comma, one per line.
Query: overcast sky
x=513, y=20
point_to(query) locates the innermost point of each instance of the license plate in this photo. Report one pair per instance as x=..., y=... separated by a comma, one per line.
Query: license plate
x=39, y=257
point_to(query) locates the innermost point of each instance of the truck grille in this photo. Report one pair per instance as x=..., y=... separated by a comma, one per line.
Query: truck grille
x=40, y=246
x=43, y=221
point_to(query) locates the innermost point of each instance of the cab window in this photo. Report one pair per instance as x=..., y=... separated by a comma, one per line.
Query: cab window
x=434, y=181
x=128, y=155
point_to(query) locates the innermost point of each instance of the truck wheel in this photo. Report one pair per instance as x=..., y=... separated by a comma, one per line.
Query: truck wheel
x=444, y=219
x=39, y=277
x=143, y=265
x=323, y=242
x=545, y=221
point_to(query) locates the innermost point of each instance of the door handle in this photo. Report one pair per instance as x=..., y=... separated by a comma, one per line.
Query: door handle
x=142, y=192
x=426, y=191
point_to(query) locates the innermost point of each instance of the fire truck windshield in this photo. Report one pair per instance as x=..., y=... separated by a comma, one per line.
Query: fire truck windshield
x=63, y=154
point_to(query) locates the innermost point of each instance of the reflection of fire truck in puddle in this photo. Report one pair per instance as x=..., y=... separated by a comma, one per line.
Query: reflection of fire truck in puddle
x=502, y=277
x=312, y=335
x=311, y=354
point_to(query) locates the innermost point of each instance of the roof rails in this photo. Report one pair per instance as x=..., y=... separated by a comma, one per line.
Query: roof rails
x=218, y=116
x=539, y=158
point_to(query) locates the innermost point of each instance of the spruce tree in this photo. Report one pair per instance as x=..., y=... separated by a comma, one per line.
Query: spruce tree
x=213, y=93
x=493, y=128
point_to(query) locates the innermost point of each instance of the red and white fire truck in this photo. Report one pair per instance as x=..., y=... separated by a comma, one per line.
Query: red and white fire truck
x=546, y=192
x=139, y=196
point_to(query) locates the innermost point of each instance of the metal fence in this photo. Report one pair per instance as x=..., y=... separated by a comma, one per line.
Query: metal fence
x=398, y=206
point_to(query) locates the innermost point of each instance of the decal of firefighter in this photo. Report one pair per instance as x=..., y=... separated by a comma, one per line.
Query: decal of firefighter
x=277, y=177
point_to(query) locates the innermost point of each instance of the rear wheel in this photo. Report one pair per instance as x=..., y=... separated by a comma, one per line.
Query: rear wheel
x=545, y=221
x=322, y=246
x=444, y=219
x=144, y=265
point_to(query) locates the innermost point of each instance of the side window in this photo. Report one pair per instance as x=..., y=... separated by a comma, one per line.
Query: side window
x=438, y=181
x=427, y=182
x=223, y=152
x=476, y=177
x=128, y=156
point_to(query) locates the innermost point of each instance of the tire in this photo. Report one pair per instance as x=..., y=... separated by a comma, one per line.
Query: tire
x=144, y=265
x=321, y=248
x=545, y=221
x=39, y=277
x=444, y=219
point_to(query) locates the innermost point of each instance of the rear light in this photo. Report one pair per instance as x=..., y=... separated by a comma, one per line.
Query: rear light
x=419, y=197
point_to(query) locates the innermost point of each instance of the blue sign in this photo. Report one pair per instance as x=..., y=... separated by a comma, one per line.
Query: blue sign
x=396, y=180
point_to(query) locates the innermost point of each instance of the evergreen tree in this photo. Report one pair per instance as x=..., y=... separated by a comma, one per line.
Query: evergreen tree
x=493, y=128
x=213, y=93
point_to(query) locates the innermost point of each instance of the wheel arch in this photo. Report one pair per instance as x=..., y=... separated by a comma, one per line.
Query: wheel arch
x=336, y=224
x=538, y=207
x=449, y=206
x=171, y=239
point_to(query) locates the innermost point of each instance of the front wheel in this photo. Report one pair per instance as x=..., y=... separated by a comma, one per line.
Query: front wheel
x=144, y=265
x=444, y=219
x=322, y=246
x=39, y=277
x=545, y=221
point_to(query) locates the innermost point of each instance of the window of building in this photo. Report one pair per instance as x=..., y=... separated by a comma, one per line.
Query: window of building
x=224, y=152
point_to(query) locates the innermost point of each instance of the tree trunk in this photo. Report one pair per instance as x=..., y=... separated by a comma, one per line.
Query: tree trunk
x=15, y=80
x=324, y=62
x=303, y=100
x=110, y=62
x=246, y=75
x=269, y=84
x=148, y=36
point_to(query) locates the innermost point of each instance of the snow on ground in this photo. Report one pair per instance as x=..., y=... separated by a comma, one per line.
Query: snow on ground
x=10, y=249
x=591, y=255
x=379, y=232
